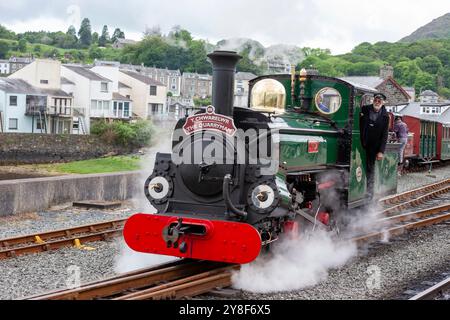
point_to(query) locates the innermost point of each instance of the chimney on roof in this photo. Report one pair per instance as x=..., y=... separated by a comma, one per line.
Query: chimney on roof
x=386, y=71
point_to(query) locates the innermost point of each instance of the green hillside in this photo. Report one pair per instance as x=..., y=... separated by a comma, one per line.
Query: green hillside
x=422, y=65
x=437, y=29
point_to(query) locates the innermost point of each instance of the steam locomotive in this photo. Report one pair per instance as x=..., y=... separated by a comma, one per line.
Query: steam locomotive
x=239, y=178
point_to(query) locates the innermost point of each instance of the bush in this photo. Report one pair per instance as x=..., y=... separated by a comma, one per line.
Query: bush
x=136, y=135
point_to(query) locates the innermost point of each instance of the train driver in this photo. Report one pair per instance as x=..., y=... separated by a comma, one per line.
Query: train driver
x=374, y=127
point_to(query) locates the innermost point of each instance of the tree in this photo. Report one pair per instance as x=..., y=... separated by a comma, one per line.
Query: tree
x=179, y=34
x=6, y=34
x=72, y=32
x=95, y=52
x=85, y=33
x=104, y=38
x=118, y=34
x=424, y=81
x=406, y=72
x=70, y=40
x=4, y=49
x=431, y=64
x=22, y=45
x=199, y=102
x=95, y=38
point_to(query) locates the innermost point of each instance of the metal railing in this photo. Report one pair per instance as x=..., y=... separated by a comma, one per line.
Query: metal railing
x=49, y=110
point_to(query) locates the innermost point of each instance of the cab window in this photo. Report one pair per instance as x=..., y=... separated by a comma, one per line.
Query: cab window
x=268, y=95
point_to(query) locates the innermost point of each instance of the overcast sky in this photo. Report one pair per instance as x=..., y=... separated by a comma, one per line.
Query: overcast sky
x=338, y=25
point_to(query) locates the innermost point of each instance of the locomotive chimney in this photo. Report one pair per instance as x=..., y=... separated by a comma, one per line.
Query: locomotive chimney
x=224, y=69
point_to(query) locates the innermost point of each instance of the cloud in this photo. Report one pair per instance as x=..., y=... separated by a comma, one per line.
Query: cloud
x=338, y=25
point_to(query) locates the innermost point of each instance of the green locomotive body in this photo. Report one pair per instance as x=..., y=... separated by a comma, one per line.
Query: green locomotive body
x=214, y=206
x=334, y=133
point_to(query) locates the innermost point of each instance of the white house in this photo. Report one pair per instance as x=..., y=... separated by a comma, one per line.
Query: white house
x=4, y=67
x=46, y=76
x=122, y=105
x=92, y=92
x=19, y=102
x=429, y=96
x=148, y=95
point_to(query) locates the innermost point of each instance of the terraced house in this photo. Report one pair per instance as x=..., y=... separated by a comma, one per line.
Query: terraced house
x=97, y=95
x=48, y=108
x=149, y=96
x=196, y=85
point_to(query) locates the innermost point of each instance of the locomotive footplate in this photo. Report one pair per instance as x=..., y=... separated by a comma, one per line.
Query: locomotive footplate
x=212, y=240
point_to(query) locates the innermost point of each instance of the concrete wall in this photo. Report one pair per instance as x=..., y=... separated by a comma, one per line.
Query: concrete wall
x=31, y=195
x=45, y=148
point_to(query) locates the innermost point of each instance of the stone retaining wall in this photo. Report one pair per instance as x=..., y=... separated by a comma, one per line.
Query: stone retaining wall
x=25, y=148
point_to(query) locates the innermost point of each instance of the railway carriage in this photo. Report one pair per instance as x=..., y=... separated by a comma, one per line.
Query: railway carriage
x=445, y=142
x=224, y=204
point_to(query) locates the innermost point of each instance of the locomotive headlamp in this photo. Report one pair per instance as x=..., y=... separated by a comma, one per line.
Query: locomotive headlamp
x=158, y=188
x=263, y=197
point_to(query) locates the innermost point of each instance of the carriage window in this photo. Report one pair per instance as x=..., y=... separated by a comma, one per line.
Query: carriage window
x=268, y=95
x=328, y=101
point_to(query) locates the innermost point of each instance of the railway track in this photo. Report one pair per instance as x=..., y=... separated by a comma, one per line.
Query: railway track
x=175, y=280
x=57, y=239
x=399, y=224
x=433, y=292
x=412, y=198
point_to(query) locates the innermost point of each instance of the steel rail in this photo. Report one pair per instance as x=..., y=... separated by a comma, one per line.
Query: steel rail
x=417, y=201
x=115, y=286
x=186, y=287
x=398, y=230
x=96, y=227
x=411, y=193
x=58, y=244
x=414, y=215
x=434, y=291
x=117, y=277
x=54, y=240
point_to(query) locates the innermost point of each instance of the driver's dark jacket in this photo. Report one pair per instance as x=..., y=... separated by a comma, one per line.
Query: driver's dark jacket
x=374, y=135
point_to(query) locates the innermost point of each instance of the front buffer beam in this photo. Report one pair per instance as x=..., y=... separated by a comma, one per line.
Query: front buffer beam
x=212, y=240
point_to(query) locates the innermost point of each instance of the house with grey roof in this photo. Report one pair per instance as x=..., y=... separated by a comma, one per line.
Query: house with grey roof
x=149, y=95
x=384, y=83
x=57, y=116
x=121, y=43
x=429, y=96
x=93, y=94
x=196, y=85
x=24, y=108
x=438, y=112
x=171, y=78
x=17, y=63
x=179, y=107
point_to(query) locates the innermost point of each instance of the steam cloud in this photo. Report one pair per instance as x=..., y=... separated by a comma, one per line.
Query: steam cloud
x=296, y=264
x=129, y=260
